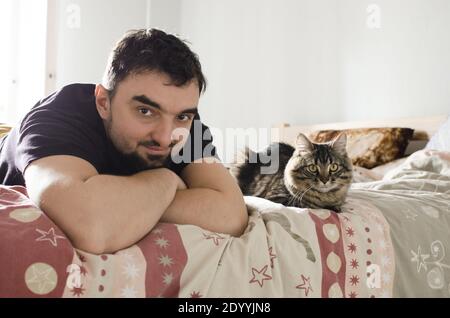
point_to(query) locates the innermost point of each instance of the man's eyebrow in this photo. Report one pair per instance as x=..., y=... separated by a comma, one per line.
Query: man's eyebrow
x=147, y=101
x=190, y=111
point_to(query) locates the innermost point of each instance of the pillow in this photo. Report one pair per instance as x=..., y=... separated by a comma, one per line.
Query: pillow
x=361, y=174
x=4, y=129
x=383, y=169
x=441, y=139
x=370, y=147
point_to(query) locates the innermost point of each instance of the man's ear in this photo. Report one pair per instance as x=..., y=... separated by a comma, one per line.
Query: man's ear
x=102, y=101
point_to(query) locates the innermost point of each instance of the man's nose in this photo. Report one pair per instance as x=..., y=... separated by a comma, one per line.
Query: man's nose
x=163, y=134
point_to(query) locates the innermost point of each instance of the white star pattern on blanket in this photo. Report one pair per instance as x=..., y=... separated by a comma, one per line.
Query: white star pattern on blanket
x=128, y=292
x=167, y=278
x=131, y=271
x=161, y=242
x=49, y=236
x=165, y=260
x=420, y=259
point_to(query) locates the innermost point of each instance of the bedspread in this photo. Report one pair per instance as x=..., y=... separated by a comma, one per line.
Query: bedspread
x=391, y=240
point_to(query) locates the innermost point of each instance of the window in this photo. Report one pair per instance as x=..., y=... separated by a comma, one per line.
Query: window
x=23, y=29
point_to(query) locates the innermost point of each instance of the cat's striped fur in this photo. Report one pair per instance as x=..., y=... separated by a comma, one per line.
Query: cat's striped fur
x=311, y=175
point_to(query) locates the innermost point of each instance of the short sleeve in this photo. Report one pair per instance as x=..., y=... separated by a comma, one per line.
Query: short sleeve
x=48, y=132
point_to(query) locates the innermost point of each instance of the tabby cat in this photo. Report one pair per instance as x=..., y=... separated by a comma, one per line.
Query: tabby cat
x=311, y=175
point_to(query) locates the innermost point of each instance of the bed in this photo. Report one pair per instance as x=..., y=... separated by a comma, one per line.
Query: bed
x=391, y=240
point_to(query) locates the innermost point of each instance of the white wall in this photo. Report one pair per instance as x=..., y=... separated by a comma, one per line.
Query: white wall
x=297, y=61
x=273, y=61
x=313, y=61
x=83, y=48
x=401, y=69
x=88, y=29
x=265, y=61
x=22, y=76
x=165, y=15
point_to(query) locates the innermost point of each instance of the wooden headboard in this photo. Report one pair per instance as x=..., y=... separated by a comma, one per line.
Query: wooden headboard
x=424, y=128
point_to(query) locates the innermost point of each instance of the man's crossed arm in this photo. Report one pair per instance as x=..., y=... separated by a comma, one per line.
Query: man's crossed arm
x=212, y=200
x=104, y=213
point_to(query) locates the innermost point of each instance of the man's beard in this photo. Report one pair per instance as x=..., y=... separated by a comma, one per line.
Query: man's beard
x=135, y=162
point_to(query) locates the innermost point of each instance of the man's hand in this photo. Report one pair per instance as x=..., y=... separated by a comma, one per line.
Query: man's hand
x=180, y=183
x=212, y=201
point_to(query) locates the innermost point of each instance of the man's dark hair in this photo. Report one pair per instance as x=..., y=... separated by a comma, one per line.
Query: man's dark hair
x=147, y=50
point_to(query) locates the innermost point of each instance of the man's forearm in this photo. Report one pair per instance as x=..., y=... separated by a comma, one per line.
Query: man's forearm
x=127, y=208
x=210, y=209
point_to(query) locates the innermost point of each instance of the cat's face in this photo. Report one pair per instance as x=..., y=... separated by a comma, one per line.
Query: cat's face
x=323, y=168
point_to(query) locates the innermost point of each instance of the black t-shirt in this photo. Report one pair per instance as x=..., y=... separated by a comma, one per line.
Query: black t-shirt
x=67, y=123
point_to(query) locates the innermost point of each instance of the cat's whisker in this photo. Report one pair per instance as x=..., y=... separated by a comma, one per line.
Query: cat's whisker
x=298, y=172
x=303, y=194
x=293, y=199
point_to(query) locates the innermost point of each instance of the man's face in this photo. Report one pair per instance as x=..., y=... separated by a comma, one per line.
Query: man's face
x=144, y=112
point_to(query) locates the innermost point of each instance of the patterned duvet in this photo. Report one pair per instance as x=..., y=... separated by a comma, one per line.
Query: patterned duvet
x=392, y=240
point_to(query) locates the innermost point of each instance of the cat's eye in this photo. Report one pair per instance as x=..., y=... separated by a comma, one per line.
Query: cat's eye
x=334, y=167
x=312, y=168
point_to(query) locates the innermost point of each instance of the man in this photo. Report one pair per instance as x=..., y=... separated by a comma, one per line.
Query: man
x=103, y=161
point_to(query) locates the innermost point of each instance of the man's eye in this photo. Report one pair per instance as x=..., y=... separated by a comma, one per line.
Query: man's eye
x=184, y=117
x=145, y=111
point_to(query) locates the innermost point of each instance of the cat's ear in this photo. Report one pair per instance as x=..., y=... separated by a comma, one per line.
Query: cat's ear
x=303, y=144
x=339, y=144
